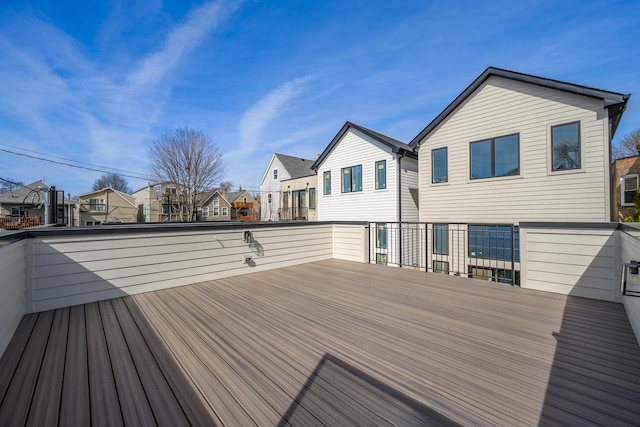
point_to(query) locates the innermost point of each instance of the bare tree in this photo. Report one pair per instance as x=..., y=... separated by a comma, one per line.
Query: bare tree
x=8, y=185
x=112, y=180
x=225, y=186
x=190, y=159
x=627, y=146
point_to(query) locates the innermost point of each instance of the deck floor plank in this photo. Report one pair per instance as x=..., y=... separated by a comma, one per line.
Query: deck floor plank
x=330, y=343
x=45, y=406
x=17, y=401
x=12, y=355
x=75, y=408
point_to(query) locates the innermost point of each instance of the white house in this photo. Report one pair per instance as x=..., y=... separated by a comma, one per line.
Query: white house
x=514, y=147
x=366, y=176
x=281, y=167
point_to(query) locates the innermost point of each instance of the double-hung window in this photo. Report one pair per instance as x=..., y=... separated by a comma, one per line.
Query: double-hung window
x=439, y=170
x=441, y=239
x=495, y=157
x=97, y=205
x=381, y=175
x=326, y=183
x=628, y=189
x=205, y=211
x=565, y=146
x=352, y=179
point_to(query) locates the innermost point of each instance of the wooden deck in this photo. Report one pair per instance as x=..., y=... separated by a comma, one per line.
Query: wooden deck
x=326, y=343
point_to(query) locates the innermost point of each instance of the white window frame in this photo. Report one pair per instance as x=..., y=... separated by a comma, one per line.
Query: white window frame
x=275, y=174
x=205, y=211
x=623, y=188
x=216, y=211
x=225, y=211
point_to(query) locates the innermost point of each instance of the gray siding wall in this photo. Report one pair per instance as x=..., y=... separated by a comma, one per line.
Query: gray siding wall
x=571, y=260
x=76, y=269
x=12, y=298
x=502, y=107
x=70, y=270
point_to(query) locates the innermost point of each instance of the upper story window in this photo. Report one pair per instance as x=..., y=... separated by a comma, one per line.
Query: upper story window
x=312, y=198
x=269, y=198
x=628, y=189
x=352, y=179
x=326, y=179
x=216, y=201
x=565, y=146
x=157, y=192
x=97, y=205
x=381, y=175
x=205, y=211
x=495, y=157
x=275, y=174
x=439, y=168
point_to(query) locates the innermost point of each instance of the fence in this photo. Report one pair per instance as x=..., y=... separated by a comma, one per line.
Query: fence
x=488, y=251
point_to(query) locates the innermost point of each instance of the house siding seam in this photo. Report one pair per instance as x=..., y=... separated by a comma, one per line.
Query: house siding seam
x=502, y=107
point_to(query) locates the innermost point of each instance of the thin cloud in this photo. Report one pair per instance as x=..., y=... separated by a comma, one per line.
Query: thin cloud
x=266, y=110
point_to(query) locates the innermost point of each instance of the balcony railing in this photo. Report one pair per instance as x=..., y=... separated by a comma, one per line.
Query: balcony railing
x=293, y=214
x=19, y=222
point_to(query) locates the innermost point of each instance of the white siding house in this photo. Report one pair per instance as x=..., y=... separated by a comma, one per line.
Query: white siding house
x=281, y=167
x=514, y=147
x=366, y=176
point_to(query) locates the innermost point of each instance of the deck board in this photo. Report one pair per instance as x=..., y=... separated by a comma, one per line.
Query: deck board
x=326, y=343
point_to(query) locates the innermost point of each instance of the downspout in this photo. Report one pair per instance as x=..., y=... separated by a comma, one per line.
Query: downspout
x=401, y=155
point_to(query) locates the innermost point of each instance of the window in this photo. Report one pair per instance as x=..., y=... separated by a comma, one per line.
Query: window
x=494, y=242
x=441, y=267
x=312, y=198
x=285, y=200
x=381, y=236
x=275, y=174
x=381, y=259
x=225, y=211
x=91, y=223
x=17, y=212
x=441, y=239
x=628, y=190
x=565, y=146
x=216, y=201
x=327, y=183
x=96, y=205
x=439, y=171
x=352, y=179
x=157, y=192
x=216, y=211
x=381, y=175
x=495, y=157
x=205, y=211
x=269, y=198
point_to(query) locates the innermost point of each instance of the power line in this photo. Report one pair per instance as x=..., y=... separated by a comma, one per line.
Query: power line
x=63, y=158
x=128, y=175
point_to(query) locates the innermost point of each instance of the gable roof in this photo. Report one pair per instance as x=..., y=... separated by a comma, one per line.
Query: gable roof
x=296, y=166
x=127, y=197
x=18, y=196
x=615, y=102
x=234, y=195
x=395, y=145
x=206, y=197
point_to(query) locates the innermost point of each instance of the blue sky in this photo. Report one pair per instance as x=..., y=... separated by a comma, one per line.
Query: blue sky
x=98, y=81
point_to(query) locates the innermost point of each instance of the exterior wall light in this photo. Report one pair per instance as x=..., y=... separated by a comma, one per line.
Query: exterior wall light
x=631, y=279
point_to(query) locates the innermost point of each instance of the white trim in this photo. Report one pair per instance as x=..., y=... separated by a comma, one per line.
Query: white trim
x=623, y=188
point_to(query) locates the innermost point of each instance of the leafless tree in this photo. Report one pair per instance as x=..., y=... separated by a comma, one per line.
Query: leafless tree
x=566, y=155
x=627, y=146
x=190, y=159
x=112, y=180
x=225, y=186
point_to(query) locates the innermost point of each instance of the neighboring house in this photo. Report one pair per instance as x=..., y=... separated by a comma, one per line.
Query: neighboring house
x=625, y=186
x=106, y=205
x=161, y=201
x=514, y=147
x=363, y=175
x=215, y=207
x=280, y=168
x=299, y=199
x=244, y=206
x=31, y=203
